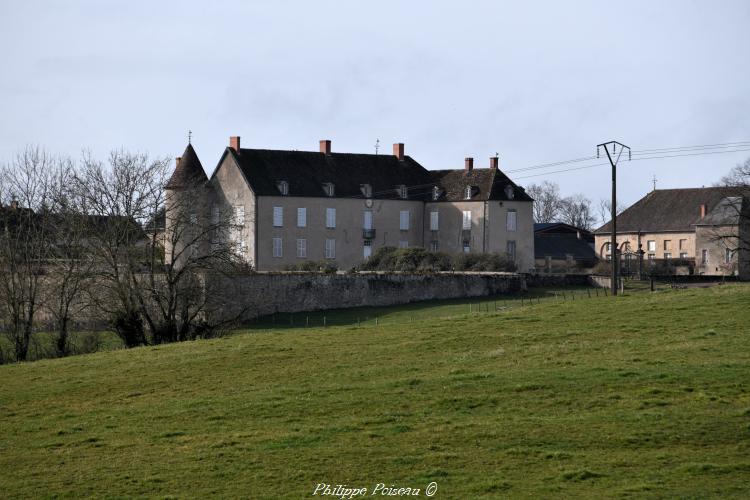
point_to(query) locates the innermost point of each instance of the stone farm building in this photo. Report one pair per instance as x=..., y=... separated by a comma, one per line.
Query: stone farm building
x=292, y=206
x=708, y=227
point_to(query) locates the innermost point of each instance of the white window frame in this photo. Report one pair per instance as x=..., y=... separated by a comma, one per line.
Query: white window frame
x=727, y=256
x=330, y=218
x=330, y=248
x=278, y=216
x=511, y=220
x=651, y=245
x=467, y=193
x=467, y=247
x=403, y=220
x=434, y=246
x=683, y=255
x=278, y=247
x=283, y=187
x=705, y=255
x=434, y=220
x=367, y=219
x=302, y=217
x=510, y=249
x=367, y=249
x=301, y=248
x=667, y=255
x=466, y=225
x=239, y=215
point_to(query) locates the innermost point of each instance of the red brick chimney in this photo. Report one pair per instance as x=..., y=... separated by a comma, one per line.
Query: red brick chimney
x=325, y=146
x=234, y=143
x=493, y=162
x=468, y=165
x=703, y=210
x=398, y=151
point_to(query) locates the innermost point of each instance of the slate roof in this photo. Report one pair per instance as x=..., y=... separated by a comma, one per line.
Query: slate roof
x=488, y=184
x=306, y=172
x=668, y=210
x=188, y=172
x=727, y=212
x=558, y=240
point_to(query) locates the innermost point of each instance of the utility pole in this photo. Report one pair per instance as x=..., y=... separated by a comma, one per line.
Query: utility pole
x=613, y=242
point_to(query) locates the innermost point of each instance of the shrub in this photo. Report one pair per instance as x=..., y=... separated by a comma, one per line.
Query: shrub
x=421, y=260
x=323, y=266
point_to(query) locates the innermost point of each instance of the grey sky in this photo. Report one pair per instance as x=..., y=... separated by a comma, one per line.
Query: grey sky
x=535, y=81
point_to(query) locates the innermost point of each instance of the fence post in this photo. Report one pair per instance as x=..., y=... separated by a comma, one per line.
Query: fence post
x=307, y=320
x=589, y=292
x=324, y=321
x=376, y=321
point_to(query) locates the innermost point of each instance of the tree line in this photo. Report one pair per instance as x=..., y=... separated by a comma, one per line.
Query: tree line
x=83, y=247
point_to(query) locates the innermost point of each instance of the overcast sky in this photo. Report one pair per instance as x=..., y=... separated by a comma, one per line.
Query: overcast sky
x=536, y=82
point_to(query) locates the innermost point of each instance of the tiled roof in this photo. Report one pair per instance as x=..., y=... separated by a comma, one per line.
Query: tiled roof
x=306, y=173
x=669, y=210
x=560, y=245
x=188, y=171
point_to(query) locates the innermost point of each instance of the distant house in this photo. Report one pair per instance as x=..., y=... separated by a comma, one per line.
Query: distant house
x=560, y=247
x=699, y=225
x=294, y=206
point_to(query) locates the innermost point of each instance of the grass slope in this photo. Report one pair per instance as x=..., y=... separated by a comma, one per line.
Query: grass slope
x=643, y=395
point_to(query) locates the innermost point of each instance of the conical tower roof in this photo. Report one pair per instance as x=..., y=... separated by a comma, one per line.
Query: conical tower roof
x=188, y=172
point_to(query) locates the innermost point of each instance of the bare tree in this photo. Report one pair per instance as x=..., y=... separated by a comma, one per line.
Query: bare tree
x=605, y=210
x=547, y=201
x=728, y=225
x=576, y=210
x=24, y=244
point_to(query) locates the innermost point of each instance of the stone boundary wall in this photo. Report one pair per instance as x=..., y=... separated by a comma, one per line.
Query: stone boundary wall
x=267, y=293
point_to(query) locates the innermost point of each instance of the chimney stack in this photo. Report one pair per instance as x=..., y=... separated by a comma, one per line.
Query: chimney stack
x=177, y=161
x=493, y=162
x=398, y=151
x=468, y=165
x=325, y=146
x=234, y=143
x=703, y=211
x=14, y=204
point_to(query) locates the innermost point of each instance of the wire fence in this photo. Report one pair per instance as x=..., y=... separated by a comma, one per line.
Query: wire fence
x=398, y=316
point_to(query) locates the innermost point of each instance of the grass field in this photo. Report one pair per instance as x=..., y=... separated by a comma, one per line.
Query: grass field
x=643, y=395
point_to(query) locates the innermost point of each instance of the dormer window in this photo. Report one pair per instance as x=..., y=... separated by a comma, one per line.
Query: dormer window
x=283, y=187
x=403, y=191
x=468, y=192
x=328, y=189
x=509, y=192
x=435, y=193
x=366, y=190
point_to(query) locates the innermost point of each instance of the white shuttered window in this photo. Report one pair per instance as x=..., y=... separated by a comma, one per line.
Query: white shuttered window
x=277, y=250
x=330, y=218
x=434, y=221
x=467, y=219
x=278, y=216
x=301, y=217
x=510, y=220
x=330, y=248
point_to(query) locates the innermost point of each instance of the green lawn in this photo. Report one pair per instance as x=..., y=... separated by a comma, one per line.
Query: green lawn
x=642, y=395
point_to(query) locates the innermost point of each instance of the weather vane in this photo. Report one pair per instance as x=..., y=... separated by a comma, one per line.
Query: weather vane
x=377, y=145
x=190, y=136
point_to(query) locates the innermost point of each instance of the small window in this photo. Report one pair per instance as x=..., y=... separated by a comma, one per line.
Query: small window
x=651, y=256
x=277, y=250
x=434, y=220
x=435, y=193
x=683, y=244
x=278, y=216
x=215, y=215
x=510, y=249
x=510, y=192
x=467, y=247
x=330, y=248
x=367, y=219
x=366, y=190
x=727, y=256
x=467, y=192
x=510, y=222
x=667, y=244
x=704, y=256
x=403, y=244
x=302, y=248
x=467, y=220
x=667, y=255
x=328, y=188
x=434, y=246
x=330, y=218
x=301, y=217
x=367, y=249
x=404, y=220
x=651, y=246
x=403, y=191
x=283, y=187
x=239, y=215
x=683, y=255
